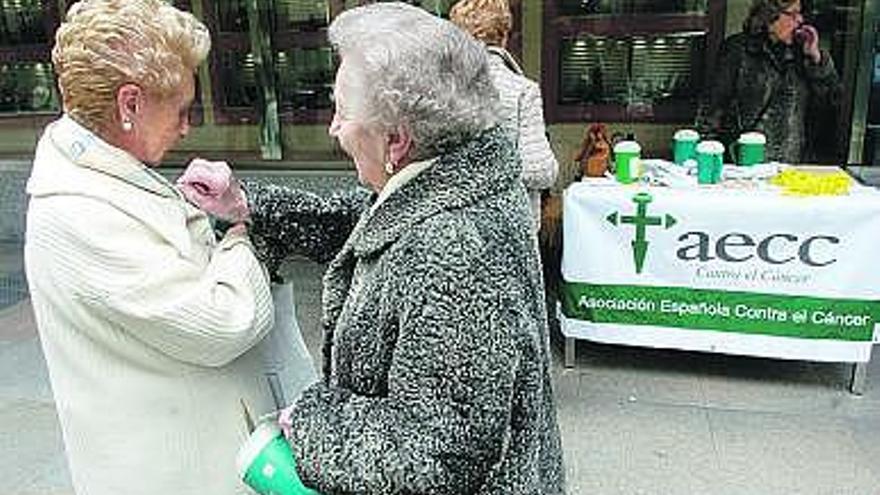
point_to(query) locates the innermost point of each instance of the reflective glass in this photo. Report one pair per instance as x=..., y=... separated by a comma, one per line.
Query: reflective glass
x=436, y=7
x=27, y=87
x=22, y=22
x=238, y=78
x=231, y=16
x=302, y=15
x=304, y=78
x=598, y=7
x=636, y=69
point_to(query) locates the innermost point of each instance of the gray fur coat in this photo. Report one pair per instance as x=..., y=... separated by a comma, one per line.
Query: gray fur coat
x=437, y=363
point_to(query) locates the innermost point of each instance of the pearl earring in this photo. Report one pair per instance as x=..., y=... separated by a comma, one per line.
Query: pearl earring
x=127, y=125
x=389, y=168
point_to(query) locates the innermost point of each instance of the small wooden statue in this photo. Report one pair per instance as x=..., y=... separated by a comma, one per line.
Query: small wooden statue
x=595, y=151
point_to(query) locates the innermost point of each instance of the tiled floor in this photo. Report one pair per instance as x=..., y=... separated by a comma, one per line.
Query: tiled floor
x=634, y=421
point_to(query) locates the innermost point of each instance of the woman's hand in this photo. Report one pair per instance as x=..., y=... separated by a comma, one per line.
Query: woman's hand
x=237, y=230
x=285, y=422
x=809, y=39
x=212, y=187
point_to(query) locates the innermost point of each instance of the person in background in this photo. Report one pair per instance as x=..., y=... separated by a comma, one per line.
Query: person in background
x=436, y=346
x=146, y=320
x=521, y=111
x=767, y=78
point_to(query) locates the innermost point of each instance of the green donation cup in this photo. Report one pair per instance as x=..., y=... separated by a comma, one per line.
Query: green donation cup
x=750, y=148
x=710, y=162
x=266, y=464
x=627, y=163
x=684, y=145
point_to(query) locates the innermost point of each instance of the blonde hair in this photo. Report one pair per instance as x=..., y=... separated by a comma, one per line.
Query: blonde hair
x=103, y=44
x=489, y=21
x=763, y=13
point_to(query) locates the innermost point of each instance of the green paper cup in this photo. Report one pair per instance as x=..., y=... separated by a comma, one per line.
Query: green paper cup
x=266, y=464
x=684, y=145
x=627, y=164
x=750, y=148
x=710, y=162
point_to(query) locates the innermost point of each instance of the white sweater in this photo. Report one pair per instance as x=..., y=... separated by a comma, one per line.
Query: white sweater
x=146, y=323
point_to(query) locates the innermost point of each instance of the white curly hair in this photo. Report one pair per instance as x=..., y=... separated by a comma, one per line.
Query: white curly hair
x=418, y=71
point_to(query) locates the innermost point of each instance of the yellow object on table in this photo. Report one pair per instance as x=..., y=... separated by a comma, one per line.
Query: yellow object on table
x=804, y=183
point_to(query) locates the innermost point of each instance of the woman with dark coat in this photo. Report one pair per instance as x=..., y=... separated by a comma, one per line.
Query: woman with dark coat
x=436, y=349
x=767, y=78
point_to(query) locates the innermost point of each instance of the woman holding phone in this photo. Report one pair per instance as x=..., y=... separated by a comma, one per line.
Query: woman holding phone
x=767, y=78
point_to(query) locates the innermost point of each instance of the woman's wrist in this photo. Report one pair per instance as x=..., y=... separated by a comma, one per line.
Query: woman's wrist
x=238, y=229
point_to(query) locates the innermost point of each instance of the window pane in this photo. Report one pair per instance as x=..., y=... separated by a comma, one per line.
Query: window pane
x=874, y=101
x=27, y=87
x=590, y=7
x=667, y=67
x=635, y=69
x=22, y=22
x=305, y=78
x=871, y=151
x=593, y=70
x=306, y=15
x=238, y=79
x=232, y=16
x=436, y=7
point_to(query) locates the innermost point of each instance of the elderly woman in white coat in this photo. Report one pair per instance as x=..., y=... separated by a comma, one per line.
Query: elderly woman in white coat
x=146, y=320
x=522, y=110
x=436, y=350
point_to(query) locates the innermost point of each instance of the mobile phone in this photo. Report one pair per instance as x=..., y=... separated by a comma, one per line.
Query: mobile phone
x=803, y=36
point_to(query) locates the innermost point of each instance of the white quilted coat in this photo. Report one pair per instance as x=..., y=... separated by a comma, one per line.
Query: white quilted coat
x=522, y=114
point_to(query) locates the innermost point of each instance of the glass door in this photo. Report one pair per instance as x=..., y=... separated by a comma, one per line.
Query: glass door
x=871, y=149
x=839, y=23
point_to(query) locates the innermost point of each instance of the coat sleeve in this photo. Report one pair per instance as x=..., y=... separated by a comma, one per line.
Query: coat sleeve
x=718, y=100
x=824, y=83
x=540, y=167
x=444, y=421
x=145, y=286
x=287, y=221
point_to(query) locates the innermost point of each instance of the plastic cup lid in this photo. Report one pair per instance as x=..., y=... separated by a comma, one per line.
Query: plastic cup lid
x=255, y=443
x=711, y=147
x=627, y=147
x=686, y=135
x=752, y=138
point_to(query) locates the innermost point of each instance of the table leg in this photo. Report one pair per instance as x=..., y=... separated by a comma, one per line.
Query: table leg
x=859, y=377
x=569, y=352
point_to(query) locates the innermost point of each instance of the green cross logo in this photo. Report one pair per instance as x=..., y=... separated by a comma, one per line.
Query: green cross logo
x=641, y=220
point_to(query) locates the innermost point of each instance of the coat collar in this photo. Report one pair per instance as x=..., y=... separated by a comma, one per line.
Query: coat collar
x=70, y=160
x=84, y=148
x=505, y=57
x=778, y=53
x=482, y=167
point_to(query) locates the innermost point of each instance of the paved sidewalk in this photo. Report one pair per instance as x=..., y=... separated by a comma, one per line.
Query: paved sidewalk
x=634, y=421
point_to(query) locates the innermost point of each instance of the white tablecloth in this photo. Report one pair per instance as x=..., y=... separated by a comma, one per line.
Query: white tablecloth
x=736, y=271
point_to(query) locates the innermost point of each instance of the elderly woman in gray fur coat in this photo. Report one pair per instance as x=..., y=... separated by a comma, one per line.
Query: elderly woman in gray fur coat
x=436, y=349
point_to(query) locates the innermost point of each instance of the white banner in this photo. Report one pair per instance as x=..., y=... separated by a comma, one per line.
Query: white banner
x=736, y=271
x=724, y=239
